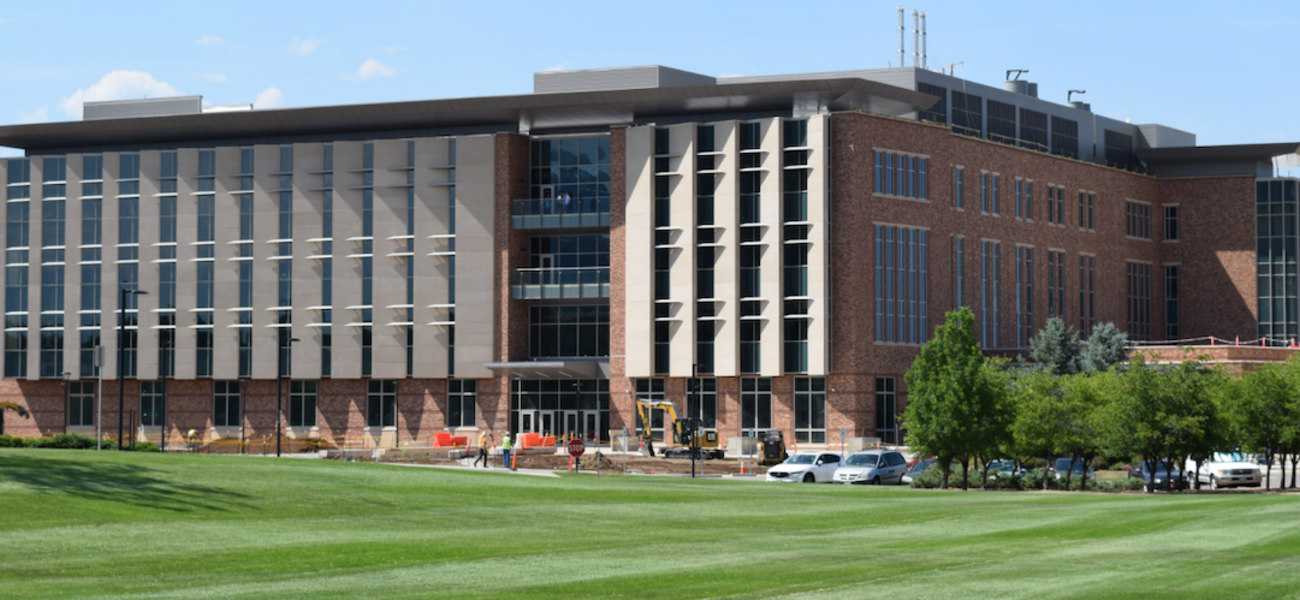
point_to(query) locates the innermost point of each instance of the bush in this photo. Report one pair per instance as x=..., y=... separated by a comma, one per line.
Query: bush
x=70, y=441
x=929, y=479
x=1128, y=484
x=8, y=441
x=1006, y=482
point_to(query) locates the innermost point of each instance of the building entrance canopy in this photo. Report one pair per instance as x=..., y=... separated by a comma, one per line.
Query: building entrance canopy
x=552, y=369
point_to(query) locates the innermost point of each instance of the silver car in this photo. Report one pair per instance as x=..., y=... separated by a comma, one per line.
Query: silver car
x=872, y=466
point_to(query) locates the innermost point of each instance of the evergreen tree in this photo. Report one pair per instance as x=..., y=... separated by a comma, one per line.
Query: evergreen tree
x=1105, y=347
x=1056, y=347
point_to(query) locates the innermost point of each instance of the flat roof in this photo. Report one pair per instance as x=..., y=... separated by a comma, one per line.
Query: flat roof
x=1238, y=152
x=526, y=111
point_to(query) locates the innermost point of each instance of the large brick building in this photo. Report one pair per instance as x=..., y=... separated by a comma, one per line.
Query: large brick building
x=765, y=252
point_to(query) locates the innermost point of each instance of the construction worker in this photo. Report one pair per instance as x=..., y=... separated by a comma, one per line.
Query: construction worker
x=485, y=439
x=506, y=446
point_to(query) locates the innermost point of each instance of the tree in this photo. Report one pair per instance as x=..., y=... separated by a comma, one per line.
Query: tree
x=1056, y=347
x=953, y=393
x=1105, y=347
x=1037, y=420
x=1058, y=416
x=1163, y=413
x=1257, y=412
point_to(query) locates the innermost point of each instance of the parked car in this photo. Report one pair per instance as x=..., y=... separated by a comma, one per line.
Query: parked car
x=872, y=466
x=1003, y=467
x=1164, y=480
x=917, y=468
x=1075, y=468
x=806, y=467
x=1226, y=469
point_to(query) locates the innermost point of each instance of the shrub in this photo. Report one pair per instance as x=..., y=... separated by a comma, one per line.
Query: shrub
x=1006, y=482
x=8, y=441
x=1128, y=484
x=70, y=441
x=930, y=479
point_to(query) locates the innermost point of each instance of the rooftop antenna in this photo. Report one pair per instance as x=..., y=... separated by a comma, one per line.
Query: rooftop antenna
x=1072, y=93
x=1018, y=73
x=923, y=57
x=902, y=30
x=952, y=69
x=916, y=39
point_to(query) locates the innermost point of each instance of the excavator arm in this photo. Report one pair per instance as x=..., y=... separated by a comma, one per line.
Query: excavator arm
x=643, y=408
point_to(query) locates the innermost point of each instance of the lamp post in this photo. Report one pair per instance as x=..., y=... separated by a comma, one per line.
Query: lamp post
x=65, y=401
x=694, y=421
x=121, y=356
x=279, y=383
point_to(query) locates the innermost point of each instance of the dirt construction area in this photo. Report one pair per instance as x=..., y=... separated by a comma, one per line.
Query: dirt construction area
x=613, y=463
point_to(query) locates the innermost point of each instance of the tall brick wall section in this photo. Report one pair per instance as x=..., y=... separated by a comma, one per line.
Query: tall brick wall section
x=622, y=413
x=1216, y=251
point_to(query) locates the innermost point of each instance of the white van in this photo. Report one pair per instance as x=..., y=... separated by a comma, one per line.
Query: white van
x=1226, y=469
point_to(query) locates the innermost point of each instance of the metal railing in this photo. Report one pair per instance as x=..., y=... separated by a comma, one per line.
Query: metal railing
x=552, y=213
x=561, y=283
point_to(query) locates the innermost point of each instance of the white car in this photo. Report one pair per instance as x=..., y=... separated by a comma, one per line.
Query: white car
x=872, y=466
x=806, y=467
x=1226, y=469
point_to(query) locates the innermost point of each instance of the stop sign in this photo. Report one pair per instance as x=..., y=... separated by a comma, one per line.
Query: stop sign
x=575, y=448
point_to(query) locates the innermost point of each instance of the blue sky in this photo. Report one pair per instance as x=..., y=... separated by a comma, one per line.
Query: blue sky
x=1216, y=69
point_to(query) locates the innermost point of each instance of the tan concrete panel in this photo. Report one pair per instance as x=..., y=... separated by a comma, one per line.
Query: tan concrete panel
x=225, y=340
x=187, y=271
x=108, y=299
x=772, y=350
x=34, y=217
x=818, y=263
x=639, y=252
x=346, y=346
x=308, y=218
x=432, y=218
x=390, y=210
x=475, y=255
x=266, y=273
x=72, y=270
x=150, y=228
x=681, y=272
x=726, y=282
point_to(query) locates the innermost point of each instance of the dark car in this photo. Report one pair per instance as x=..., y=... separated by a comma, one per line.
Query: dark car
x=1164, y=480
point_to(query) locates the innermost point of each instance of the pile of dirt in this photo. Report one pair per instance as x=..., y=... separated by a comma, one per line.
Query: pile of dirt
x=614, y=464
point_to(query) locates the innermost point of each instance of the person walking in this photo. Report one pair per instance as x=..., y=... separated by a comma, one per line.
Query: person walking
x=506, y=446
x=485, y=439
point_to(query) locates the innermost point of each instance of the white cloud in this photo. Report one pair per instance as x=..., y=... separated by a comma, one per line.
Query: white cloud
x=371, y=69
x=39, y=115
x=209, y=40
x=560, y=67
x=304, y=47
x=117, y=85
x=270, y=97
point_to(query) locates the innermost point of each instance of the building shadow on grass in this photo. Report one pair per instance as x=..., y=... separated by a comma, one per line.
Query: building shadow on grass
x=125, y=483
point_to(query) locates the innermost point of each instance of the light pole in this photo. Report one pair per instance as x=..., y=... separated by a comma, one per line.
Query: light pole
x=279, y=383
x=65, y=401
x=121, y=356
x=169, y=359
x=693, y=421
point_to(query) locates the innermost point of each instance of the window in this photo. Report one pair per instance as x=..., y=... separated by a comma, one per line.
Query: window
x=1024, y=295
x=959, y=188
x=901, y=294
x=568, y=331
x=702, y=402
x=1002, y=122
x=1065, y=137
x=1092, y=211
x=1033, y=130
x=990, y=309
x=651, y=389
x=984, y=192
x=1029, y=200
x=302, y=403
x=1138, y=219
x=1171, y=223
x=886, y=410
x=81, y=404
x=225, y=404
x=939, y=111
x=810, y=410
x=1088, y=292
x=1020, y=198
x=900, y=175
x=1275, y=257
x=959, y=270
x=967, y=114
x=755, y=404
x=579, y=167
x=662, y=208
x=1055, y=283
x=1119, y=150
x=1171, y=302
x=1139, y=301
x=462, y=402
x=153, y=403
x=997, y=206
x=381, y=403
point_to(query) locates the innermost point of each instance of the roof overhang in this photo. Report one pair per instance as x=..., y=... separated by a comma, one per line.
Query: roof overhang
x=520, y=112
x=1216, y=154
x=551, y=369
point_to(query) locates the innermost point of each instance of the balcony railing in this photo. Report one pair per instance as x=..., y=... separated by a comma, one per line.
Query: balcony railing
x=551, y=213
x=564, y=283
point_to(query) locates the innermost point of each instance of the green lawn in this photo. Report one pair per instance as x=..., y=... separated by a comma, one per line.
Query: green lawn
x=87, y=524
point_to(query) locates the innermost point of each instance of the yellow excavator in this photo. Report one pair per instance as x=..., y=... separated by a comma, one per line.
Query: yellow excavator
x=684, y=430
